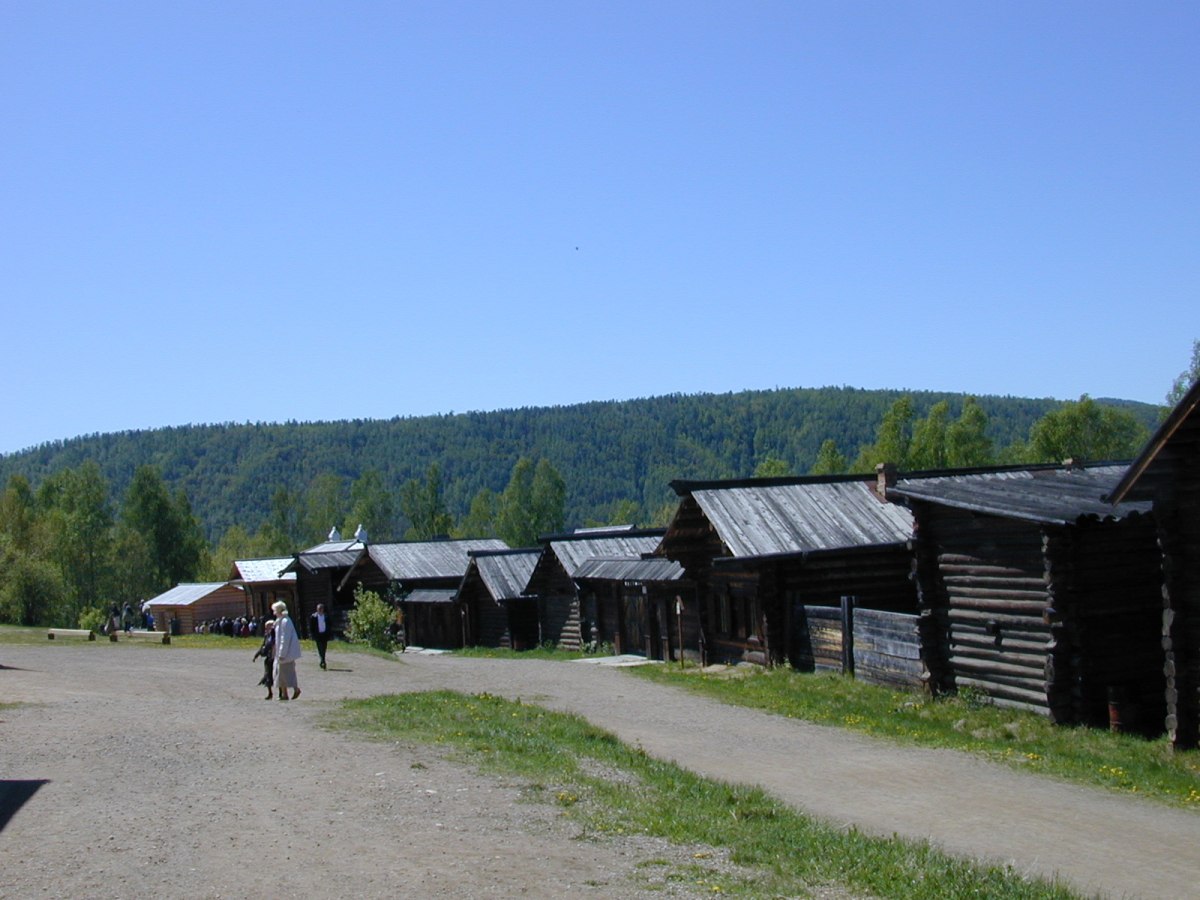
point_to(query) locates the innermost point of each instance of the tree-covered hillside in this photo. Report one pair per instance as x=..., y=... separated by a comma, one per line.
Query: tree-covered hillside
x=608, y=453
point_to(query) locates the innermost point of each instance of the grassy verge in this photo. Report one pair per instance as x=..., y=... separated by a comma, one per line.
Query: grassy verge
x=1026, y=740
x=608, y=788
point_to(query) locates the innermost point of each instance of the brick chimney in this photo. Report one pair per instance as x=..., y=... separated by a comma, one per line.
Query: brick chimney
x=885, y=477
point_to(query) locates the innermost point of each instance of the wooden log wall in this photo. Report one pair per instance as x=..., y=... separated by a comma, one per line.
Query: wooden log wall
x=986, y=602
x=817, y=642
x=880, y=578
x=491, y=622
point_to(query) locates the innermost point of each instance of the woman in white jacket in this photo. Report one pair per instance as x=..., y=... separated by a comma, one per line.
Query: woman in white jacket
x=287, y=651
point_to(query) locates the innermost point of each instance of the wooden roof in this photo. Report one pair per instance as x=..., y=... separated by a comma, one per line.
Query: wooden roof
x=1048, y=495
x=429, y=595
x=1175, y=444
x=761, y=517
x=573, y=549
x=505, y=573
x=412, y=560
x=186, y=594
x=625, y=569
x=254, y=571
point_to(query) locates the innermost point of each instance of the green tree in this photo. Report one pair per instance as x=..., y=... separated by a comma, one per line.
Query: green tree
x=967, y=442
x=371, y=506
x=1086, y=431
x=1186, y=379
x=172, y=535
x=829, y=460
x=324, y=506
x=74, y=509
x=425, y=507
x=32, y=589
x=480, y=520
x=283, y=532
x=772, y=467
x=514, y=510
x=892, y=440
x=549, y=496
x=928, y=447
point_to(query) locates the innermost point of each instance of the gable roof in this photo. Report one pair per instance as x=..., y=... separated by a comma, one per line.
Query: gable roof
x=267, y=569
x=785, y=516
x=505, y=573
x=185, y=594
x=329, y=555
x=412, y=560
x=1049, y=495
x=657, y=569
x=571, y=550
x=1177, y=442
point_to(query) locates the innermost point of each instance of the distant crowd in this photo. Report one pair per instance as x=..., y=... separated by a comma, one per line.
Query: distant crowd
x=236, y=627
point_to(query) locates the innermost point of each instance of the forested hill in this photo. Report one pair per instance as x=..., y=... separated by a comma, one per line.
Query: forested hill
x=606, y=452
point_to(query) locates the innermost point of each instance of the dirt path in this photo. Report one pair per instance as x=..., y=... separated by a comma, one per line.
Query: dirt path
x=161, y=773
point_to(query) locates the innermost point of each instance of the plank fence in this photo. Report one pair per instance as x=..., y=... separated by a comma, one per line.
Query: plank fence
x=884, y=647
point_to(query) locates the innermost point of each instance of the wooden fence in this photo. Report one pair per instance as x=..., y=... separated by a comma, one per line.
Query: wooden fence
x=884, y=647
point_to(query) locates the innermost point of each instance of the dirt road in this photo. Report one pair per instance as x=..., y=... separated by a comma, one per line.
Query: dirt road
x=160, y=771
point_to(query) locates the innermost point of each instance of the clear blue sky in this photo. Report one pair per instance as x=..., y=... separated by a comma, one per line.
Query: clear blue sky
x=264, y=211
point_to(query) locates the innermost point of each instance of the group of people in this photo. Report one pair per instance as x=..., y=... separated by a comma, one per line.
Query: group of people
x=230, y=627
x=281, y=648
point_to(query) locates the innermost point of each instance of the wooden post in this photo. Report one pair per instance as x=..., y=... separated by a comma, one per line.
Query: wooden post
x=847, y=635
x=679, y=627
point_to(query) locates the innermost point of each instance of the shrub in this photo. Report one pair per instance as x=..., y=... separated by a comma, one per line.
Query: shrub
x=371, y=620
x=93, y=618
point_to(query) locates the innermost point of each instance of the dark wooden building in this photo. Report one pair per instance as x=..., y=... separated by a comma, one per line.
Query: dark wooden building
x=492, y=592
x=639, y=606
x=1167, y=474
x=761, y=550
x=1042, y=595
x=552, y=583
x=404, y=572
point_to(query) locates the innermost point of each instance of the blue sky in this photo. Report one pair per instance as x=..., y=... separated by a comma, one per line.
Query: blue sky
x=252, y=211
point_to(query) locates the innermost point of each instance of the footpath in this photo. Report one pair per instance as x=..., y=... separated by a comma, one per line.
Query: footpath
x=1101, y=843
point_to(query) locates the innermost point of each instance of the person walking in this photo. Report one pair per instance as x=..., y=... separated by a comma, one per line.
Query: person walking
x=267, y=652
x=318, y=629
x=287, y=651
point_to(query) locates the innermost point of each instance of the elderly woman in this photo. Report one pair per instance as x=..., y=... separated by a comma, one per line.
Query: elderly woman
x=287, y=651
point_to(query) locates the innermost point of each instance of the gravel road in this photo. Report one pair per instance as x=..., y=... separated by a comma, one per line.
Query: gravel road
x=160, y=771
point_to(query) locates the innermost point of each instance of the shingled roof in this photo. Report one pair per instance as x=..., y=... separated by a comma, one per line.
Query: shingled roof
x=416, y=560
x=1176, y=443
x=761, y=517
x=624, y=569
x=505, y=573
x=1051, y=495
x=573, y=549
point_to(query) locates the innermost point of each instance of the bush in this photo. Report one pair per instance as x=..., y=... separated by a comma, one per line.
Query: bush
x=371, y=620
x=94, y=619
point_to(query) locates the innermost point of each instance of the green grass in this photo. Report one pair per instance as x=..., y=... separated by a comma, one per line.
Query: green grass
x=1025, y=740
x=546, y=651
x=608, y=788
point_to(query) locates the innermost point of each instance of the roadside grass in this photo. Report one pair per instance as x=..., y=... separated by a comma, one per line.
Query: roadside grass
x=546, y=651
x=607, y=788
x=1025, y=740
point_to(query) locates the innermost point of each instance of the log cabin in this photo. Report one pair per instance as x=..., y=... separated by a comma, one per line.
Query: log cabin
x=1167, y=474
x=265, y=581
x=760, y=550
x=183, y=607
x=560, y=615
x=403, y=572
x=640, y=606
x=498, y=615
x=1043, y=596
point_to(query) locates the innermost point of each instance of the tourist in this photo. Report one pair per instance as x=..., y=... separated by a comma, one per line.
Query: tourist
x=267, y=652
x=287, y=651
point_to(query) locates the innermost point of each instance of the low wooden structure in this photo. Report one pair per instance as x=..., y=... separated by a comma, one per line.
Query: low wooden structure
x=492, y=591
x=329, y=573
x=552, y=582
x=761, y=550
x=85, y=634
x=873, y=645
x=184, y=606
x=265, y=581
x=1037, y=592
x=1167, y=474
x=639, y=606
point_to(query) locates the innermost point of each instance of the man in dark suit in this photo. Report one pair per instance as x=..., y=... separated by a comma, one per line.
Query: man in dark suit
x=318, y=630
